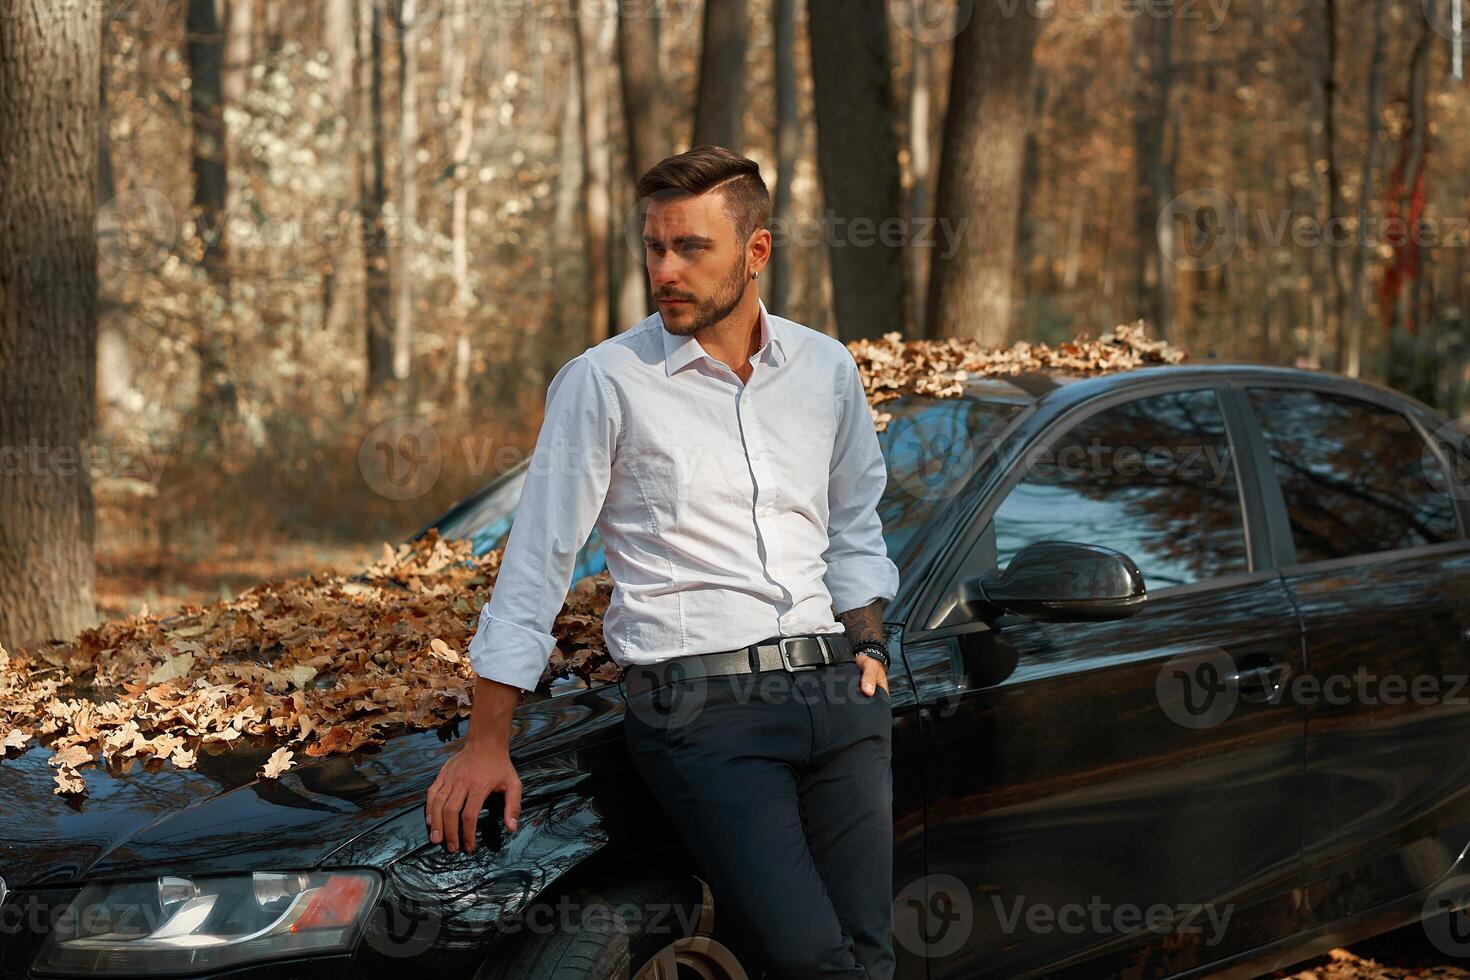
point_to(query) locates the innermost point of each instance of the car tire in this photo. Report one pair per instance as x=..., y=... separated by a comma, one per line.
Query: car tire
x=655, y=928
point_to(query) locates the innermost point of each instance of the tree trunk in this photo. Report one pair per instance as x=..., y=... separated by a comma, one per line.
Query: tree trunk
x=570, y=181
x=217, y=403
x=235, y=73
x=408, y=187
x=646, y=121
x=337, y=32
x=49, y=84
x=921, y=155
x=372, y=194
x=857, y=156
x=1327, y=260
x=1412, y=365
x=106, y=189
x=1351, y=350
x=595, y=168
x=462, y=104
x=980, y=175
x=788, y=148
x=720, y=105
x=1153, y=64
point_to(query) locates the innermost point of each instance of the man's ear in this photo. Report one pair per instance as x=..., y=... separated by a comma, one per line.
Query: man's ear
x=760, y=249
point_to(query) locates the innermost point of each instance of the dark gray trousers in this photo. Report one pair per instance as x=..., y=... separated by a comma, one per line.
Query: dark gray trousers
x=781, y=786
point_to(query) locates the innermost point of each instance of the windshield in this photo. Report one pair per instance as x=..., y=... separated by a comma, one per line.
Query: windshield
x=934, y=448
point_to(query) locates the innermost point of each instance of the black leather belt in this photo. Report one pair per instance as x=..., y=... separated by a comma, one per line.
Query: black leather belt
x=806, y=652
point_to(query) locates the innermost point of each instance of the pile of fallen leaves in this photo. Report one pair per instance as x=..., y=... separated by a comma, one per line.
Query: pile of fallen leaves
x=328, y=663
x=331, y=663
x=893, y=367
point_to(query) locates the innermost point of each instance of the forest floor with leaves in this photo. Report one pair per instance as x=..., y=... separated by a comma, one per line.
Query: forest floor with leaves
x=133, y=578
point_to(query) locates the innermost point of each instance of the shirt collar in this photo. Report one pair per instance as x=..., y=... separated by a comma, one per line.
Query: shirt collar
x=680, y=351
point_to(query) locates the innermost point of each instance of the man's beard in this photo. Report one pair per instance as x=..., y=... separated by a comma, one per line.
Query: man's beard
x=711, y=311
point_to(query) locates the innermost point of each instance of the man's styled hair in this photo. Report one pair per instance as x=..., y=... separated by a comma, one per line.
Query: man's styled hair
x=707, y=167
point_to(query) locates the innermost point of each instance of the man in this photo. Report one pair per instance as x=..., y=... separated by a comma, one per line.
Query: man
x=729, y=459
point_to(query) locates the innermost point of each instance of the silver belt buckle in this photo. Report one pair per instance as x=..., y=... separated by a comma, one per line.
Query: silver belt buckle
x=786, y=657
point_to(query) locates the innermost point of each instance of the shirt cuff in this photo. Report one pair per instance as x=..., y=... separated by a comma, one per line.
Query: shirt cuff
x=509, y=652
x=854, y=582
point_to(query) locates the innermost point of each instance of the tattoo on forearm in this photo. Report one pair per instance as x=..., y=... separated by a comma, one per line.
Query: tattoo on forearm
x=865, y=622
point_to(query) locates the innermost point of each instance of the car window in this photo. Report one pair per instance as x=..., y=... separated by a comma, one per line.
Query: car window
x=1453, y=439
x=1357, y=477
x=1153, y=478
x=934, y=448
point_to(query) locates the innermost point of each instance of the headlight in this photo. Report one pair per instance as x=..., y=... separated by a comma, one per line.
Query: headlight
x=192, y=925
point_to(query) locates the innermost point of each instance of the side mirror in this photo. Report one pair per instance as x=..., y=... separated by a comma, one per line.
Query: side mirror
x=1059, y=582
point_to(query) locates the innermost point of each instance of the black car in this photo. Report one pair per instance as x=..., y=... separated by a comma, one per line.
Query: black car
x=1178, y=688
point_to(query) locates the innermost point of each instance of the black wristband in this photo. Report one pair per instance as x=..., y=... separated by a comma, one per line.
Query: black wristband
x=876, y=649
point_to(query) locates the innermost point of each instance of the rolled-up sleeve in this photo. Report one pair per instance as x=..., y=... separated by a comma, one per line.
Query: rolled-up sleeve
x=563, y=494
x=858, y=567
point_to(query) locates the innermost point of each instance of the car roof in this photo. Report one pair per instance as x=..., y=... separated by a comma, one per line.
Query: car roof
x=1059, y=387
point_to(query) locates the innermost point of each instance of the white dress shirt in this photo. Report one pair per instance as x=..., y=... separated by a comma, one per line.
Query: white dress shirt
x=730, y=512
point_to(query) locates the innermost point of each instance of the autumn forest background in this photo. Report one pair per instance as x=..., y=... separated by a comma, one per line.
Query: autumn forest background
x=247, y=244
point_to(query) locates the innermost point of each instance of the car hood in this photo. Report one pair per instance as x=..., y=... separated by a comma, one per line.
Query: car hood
x=220, y=817
x=217, y=817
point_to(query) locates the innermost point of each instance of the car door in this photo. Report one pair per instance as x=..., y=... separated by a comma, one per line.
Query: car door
x=1122, y=797
x=1375, y=556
